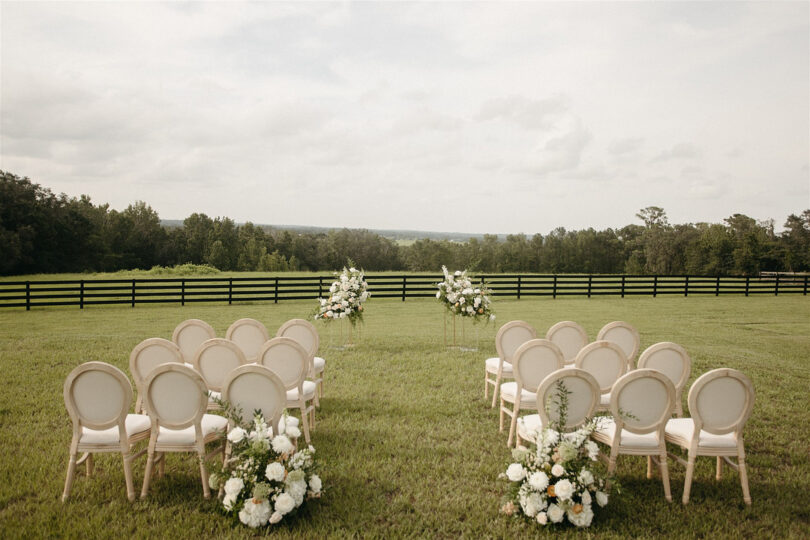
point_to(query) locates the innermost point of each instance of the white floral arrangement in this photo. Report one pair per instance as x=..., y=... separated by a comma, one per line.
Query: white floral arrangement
x=266, y=478
x=346, y=297
x=555, y=480
x=458, y=294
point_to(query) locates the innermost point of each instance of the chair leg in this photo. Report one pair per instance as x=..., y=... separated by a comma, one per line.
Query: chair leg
x=128, y=476
x=649, y=467
x=71, y=474
x=497, y=387
x=500, y=426
x=312, y=418
x=147, y=475
x=744, y=479
x=203, y=473
x=513, y=424
x=89, y=465
x=664, y=474
x=486, y=384
x=304, y=421
x=719, y=472
x=687, y=483
x=614, y=454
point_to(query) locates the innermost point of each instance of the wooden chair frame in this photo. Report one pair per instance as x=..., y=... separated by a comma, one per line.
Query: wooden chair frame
x=649, y=357
x=504, y=357
x=189, y=349
x=140, y=367
x=566, y=325
x=233, y=331
x=583, y=362
x=631, y=354
x=201, y=360
x=126, y=441
x=310, y=340
x=293, y=379
x=735, y=427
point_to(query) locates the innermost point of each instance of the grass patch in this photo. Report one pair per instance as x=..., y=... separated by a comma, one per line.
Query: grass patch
x=408, y=444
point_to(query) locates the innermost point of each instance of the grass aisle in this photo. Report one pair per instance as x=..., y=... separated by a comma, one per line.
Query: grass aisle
x=407, y=443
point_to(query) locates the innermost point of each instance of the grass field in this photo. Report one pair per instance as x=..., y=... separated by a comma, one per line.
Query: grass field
x=407, y=444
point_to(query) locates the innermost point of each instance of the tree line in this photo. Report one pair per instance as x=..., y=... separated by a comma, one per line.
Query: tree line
x=41, y=232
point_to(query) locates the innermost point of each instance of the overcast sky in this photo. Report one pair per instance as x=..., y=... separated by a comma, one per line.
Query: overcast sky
x=471, y=117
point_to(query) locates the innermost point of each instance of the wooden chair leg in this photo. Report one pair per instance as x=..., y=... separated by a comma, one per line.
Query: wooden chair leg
x=486, y=384
x=744, y=479
x=495, y=390
x=71, y=474
x=513, y=423
x=664, y=475
x=147, y=475
x=203, y=473
x=687, y=483
x=500, y=425
x=649, y=467
x=304, y=421
x=128, y=476
x=89, y=465
x=719, y=472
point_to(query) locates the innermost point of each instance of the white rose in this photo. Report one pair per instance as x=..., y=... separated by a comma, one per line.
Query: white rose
x=555, y=513
x=236, y=435
x=233, y=486
x=593, y=450
x=255, y=515
x=282, y=444
x=284, y=503
x=601, y=498
x=586, y=497
x=275, y=472
x=542, y=518
x=557, y=470
x=583, y=518
x=515, y=472
x=275, y=518
x=585, y=477
x=538, y=481
x=315, y=484
x=563, y=489
x=343, y=315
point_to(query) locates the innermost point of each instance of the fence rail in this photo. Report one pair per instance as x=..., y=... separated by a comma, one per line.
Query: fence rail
x=83, y=293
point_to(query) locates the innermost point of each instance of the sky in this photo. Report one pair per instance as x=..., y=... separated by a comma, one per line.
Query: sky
x=487, y=117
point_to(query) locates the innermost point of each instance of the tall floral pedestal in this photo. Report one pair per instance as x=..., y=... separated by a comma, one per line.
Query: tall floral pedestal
x=343, y=334
x=460, y=334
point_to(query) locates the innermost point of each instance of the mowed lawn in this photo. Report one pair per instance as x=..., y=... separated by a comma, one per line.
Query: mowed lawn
x=407, y=444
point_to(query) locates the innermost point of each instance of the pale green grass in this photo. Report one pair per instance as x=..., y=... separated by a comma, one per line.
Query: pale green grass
x=408, y=445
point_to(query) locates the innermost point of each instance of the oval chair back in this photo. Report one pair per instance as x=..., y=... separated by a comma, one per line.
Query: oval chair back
x=625, y=336
x=190, y=334
x=146, y=356
x=673, y=361
x=302, y=331
x=512, y=335
x=569, y=337
x=534, y=361
x=720, y=401
x=215, y=359
x=251, y=388
x=581, y=391
x=287, y=359
x=250, y=335
x=605, y=361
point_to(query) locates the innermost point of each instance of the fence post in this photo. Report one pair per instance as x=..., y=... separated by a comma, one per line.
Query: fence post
x=623, y=276
x=589, y=285
x=805, y=285
x=747, y=279
x=81, y=294
x=320, y=286
x=655, y=286
x=27, y=296
x=686, y=286
x=776, y=286
x=182, y=292
x=133, y=293
x=275, y=292
x=717, y=287
x=518, y=291
x=554, y=288
x=404, y=286
x=230, y=291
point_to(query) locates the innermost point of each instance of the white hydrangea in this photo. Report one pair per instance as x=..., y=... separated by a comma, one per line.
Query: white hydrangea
x=275, y=472
x=234, y=486
x=282, y=444
x=284, y=503
x=555, y=513
x=254, y=514
x=582, y=518
x=532, y=504
x=586, y=477
x=563, y=489
x=593, y=450
x=515, y=472
x=315, y=484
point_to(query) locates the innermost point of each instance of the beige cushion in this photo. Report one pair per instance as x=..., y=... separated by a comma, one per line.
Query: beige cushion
x=309, y=392
x=529, y=425
x=210, y=423
x=604, y=400
x=527, y=399
x=492, y=366
x=684, y=428
x=318, y=363
x=135, y=423
x=607, y=428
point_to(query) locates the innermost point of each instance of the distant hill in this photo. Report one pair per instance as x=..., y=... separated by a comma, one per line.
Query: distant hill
x=399, y=236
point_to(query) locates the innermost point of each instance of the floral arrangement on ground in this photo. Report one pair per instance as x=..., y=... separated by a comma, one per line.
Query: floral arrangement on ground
x=346, y=296
x=555, y=480
x=460, y=297
x=265, y=478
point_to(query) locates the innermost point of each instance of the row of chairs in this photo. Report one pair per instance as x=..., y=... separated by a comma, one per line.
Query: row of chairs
x=641, y=406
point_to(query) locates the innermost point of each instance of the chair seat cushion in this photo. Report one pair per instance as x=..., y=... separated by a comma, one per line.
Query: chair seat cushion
x=210, y=423
x=527, y=399
x=318, y=364
x=604, y=400
x=492, y=366
x=606, y=430
x=134, y=424
x=309, y=392
x=684, y=428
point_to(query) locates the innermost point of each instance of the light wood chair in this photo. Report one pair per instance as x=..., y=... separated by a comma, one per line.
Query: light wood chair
x=625, y=336
x=673, y=361
x=291, y=362
x=97, y=397
x=190, y=334
x=253, y=387
x=720, y=403
x=146, y=356
x=569, y=337
x=641, y=403
x=176, y=401
x=214, y=360
x=510, y=336
x=250, y=335
x=305, y=333
x=583, y=398
x=606, y=362
x=532, y=362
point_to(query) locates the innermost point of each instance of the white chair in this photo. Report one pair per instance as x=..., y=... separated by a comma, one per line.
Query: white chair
x=146, y=356
x=673, y=361
x=569, y=337
x=532, y=362
x=190, y=334
x=641, y=403
x=583, y=398
x=606, y=362
x=625, y=336
x=250, y=335
x=720, y=403
x=510, y=336
x=214, y=360
x=97, y=397
x=291, y=362
x=305, y=333
x=176, y=401
x=251, y=388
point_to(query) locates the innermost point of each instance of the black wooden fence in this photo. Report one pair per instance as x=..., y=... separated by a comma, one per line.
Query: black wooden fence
x=181, y=291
